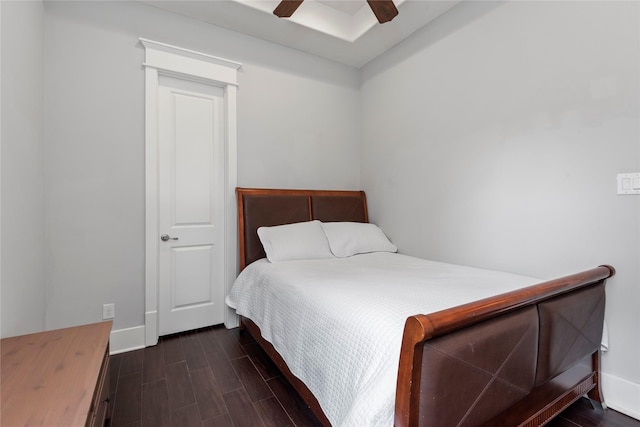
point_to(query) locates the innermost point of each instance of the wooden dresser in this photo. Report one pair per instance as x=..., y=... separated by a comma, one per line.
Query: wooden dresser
x=56, y=378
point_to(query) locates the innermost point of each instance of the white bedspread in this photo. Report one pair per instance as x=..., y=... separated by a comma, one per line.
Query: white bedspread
x=338, y=323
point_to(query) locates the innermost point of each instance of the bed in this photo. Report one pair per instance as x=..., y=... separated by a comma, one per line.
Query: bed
x=514, y=358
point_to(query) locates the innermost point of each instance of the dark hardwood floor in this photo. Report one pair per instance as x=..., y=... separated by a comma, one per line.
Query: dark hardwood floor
x=219, y=377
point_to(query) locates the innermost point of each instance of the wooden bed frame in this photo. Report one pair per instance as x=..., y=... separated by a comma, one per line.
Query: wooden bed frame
x=516, y=359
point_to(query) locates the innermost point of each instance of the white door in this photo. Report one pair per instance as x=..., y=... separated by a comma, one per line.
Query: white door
x=191, y=205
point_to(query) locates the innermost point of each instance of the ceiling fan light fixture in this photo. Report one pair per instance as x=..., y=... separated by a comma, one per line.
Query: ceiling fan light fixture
x=384, y=10
x=286, y=8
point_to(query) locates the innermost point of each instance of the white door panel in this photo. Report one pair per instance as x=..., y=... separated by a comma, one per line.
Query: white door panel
x=191, y=270
x=191, y=205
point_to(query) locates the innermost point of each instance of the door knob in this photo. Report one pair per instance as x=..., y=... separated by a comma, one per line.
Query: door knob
x=166, y=237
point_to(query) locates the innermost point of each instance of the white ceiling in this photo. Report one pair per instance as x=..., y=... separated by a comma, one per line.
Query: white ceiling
x=345, y=31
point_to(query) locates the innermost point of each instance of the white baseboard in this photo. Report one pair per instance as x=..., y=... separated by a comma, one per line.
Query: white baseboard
x=137, y=337
x=231, y=319
x=127, y=339
x=621, y=395
x=151, y=328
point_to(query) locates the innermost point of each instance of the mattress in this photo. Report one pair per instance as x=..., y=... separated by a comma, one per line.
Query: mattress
x=338, y=322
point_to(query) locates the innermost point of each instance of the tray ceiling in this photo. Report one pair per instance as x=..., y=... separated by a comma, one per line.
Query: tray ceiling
x=345, y=31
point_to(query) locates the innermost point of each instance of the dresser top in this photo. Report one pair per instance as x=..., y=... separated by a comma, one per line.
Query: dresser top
x=49, y=378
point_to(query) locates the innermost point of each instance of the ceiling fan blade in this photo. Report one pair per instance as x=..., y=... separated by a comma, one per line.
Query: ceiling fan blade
x=286, y=8
x=384, y=10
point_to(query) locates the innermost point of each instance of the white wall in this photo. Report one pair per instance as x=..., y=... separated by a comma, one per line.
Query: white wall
x=504, y=127
x=296, y=132
x=298, y=126
x=22, y=263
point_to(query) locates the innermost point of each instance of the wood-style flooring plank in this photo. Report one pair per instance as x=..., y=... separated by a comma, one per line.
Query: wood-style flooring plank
x=253, y=383
x=131, y=362
x=207, y=391
x=293, y=403
x=272, y=413
x=179, y=394
x=155, y=404
x=114, y=374
x=263, y=364
x=241, y=409
x=561, y=422
x=223, y=371
x=193, y=352
x=582, y=413
x=179, y=385
x=172, y=348
x=219, y=361
x=186, y=416
x=153, y=364
x=208, y=341
x=219, y=421
x=230, y=344
x=128, y=404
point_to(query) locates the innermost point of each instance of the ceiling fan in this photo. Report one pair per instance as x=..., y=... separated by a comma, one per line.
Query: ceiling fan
x=384, y=10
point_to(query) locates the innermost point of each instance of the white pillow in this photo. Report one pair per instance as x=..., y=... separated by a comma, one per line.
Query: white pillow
x=351, y=238
x=302, y=240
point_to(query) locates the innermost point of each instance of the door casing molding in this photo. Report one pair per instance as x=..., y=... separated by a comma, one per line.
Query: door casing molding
x=163, y=59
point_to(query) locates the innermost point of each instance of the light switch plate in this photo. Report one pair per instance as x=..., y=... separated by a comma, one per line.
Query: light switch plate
x=629, y=183
x=108, y=311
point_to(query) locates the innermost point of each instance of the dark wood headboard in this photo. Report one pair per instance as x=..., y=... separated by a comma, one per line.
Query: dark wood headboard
x=258, y=207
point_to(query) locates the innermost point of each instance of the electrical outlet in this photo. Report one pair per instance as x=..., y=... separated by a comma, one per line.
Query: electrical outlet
x=108, y=311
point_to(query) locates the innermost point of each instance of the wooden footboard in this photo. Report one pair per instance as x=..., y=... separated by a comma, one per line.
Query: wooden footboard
x=515, y=359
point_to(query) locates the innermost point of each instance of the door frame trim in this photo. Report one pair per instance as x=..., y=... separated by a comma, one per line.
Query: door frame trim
x=163, y=59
